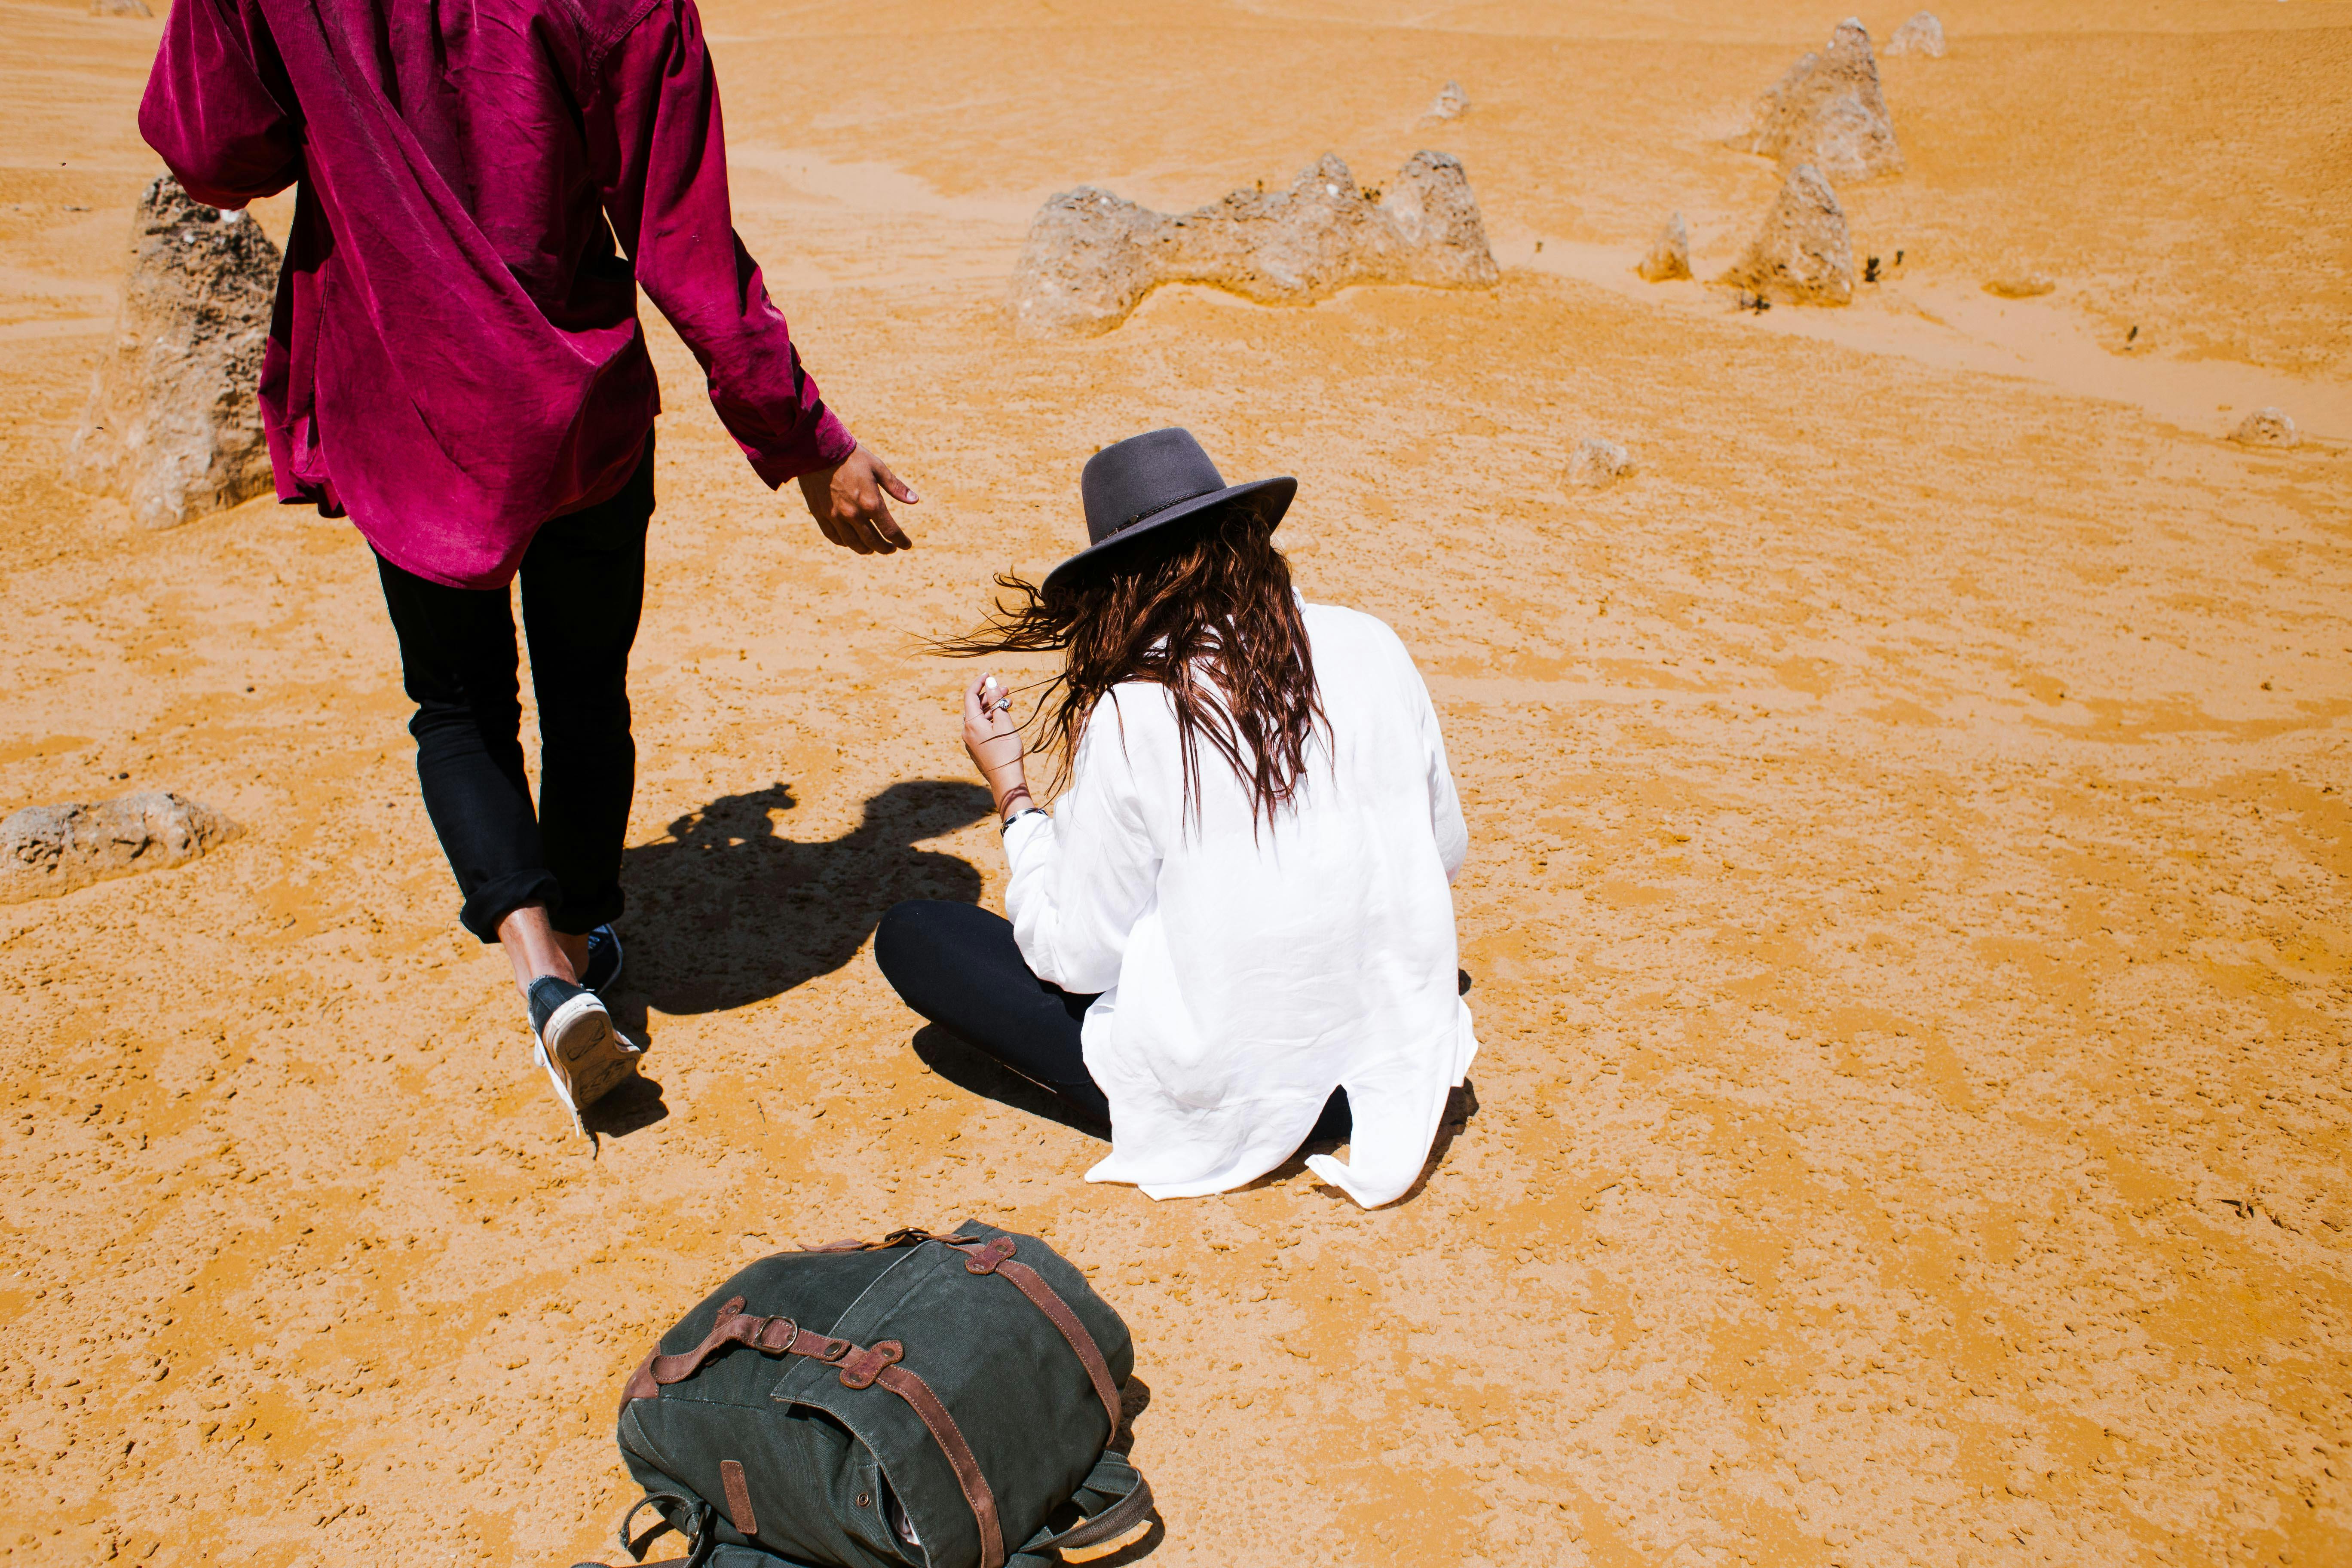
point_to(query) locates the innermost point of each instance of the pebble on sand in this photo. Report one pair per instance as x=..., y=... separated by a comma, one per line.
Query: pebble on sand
x=1922, y=35
x=1803, y=254
x=50, y=850
x=1452, y=103
x=1598, y=463
x=1829, y=110
x=1091, y=256
x=173, y=424
x=1669, y=254
x=2265, y=427
x=2023, y=285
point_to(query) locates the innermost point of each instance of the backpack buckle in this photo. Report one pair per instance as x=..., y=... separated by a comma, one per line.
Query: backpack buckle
x=860, y=1369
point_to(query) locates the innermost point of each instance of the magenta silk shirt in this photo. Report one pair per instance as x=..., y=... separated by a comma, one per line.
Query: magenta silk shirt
x=455, y=356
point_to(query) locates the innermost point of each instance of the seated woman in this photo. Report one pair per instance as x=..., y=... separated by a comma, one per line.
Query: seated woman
x=1240, y=902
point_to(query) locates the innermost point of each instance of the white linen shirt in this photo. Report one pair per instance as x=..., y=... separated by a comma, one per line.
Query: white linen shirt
x=1247, y=970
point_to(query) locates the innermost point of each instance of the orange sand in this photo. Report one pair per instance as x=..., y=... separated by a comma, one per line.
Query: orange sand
x=1911, y=838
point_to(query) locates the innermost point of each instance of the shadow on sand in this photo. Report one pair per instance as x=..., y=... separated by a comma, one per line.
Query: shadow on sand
x=976, y=1072
x=729, y=910
x=1461, y=1105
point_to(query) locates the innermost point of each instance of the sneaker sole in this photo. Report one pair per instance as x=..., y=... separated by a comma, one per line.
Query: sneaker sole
x=585, y=1057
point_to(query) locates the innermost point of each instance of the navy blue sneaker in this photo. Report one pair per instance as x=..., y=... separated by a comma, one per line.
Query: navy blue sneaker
x=604, y=965
x=584, y=1053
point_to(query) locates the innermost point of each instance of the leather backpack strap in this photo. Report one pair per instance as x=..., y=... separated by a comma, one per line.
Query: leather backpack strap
x=996, y=1257
x=862, y=1366
x=770, y=1336
x=904, y=1236
x=950, y=1437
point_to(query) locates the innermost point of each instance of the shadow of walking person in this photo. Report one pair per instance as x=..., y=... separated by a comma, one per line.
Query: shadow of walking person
x=727, y=910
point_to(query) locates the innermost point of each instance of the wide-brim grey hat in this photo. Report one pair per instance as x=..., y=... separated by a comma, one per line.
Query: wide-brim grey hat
x=1150, y=482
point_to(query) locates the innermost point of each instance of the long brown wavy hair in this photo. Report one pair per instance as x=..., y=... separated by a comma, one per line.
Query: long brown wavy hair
x=1208, y=614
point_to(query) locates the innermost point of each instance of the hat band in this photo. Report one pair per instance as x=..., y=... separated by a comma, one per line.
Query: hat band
x=1152, y=512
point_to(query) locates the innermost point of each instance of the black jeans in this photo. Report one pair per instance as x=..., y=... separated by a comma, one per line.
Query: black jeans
x=584, y=584
x=959, y=965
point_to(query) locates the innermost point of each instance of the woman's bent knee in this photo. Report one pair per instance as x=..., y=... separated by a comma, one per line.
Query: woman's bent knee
x=902, y=942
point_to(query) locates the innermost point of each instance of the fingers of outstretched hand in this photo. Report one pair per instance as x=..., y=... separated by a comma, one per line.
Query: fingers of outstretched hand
x=893, y=483
x=822, y=491
x=853, y=502
x=878, y=530
x=849, y=503
x=861, y=487
x=835, y=530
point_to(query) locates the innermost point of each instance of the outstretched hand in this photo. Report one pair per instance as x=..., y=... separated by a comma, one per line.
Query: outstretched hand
x=848, y=503
x=995, y=743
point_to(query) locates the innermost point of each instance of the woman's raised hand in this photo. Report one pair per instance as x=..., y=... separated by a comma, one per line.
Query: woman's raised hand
x=995, y=743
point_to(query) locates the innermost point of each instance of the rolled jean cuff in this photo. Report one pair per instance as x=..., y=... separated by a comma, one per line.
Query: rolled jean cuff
x=499, y=897
x=581, y=918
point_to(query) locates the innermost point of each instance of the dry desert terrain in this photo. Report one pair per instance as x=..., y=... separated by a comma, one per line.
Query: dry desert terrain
x=1911, y=822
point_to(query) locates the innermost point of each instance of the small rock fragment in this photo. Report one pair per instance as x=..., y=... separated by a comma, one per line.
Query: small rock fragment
x=1803, y=254
x=1922, y=35
x=1451, y=104
x=50, y=850
x=2025, y=286
x=2265, y=427
x=120, y=8
x=1669, y=254
x=1598, y=463
x=173, y=426
x=1091, y=257
x=1828, y=110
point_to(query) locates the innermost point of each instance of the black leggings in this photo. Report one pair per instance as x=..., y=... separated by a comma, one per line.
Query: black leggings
x=959, y=965
x=584, y=584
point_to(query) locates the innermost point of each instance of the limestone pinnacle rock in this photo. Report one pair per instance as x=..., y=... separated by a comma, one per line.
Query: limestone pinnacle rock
x=1803, y=254
x=1828, y=110
x=173, y=425
x=1091, y=256
x=2266, y=427
x=1669, y=254
x=50, y=850
x=1922, y=35
x=1451, y=103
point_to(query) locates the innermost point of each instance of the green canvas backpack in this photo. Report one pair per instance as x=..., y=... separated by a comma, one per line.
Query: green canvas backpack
x=927, y=1400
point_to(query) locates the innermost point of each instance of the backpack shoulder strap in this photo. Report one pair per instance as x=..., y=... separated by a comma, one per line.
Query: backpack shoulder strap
x=996, y=1257
x=1128, y=1502
x=862, y=1366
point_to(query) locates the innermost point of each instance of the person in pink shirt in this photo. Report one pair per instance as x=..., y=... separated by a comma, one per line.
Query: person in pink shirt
x=455, y=364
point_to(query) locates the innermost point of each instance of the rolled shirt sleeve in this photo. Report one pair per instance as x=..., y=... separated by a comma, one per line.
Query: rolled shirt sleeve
x=219, y=106
x=664, y=174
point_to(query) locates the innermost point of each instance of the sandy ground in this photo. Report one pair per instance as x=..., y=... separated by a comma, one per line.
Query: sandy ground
x=1910, y=824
